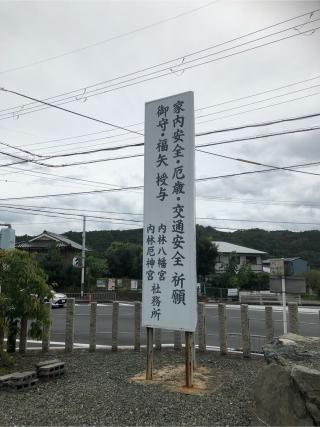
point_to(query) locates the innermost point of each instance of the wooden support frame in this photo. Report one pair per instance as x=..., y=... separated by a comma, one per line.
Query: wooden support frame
x=149, y=367
x=189, y=360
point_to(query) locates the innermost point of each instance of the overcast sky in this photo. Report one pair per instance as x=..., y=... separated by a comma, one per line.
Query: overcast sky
x=52, y=47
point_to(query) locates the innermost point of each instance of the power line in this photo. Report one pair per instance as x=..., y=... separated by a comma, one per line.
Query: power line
x=70, y=111
x=222, y=130
x=116, y=148
x=252, y=125
x=141, y=187
x=223, y=199
x=63, y=208
x=141, y=155
x=237, y=174
x=68, y=214
x=260, y=221
x=197, y=109
x=250, y=138
x=261, y=108
x=68, y=218
x=258, y=102
x=261, y=124
x=42, y=212
x=88, y=94
x=128, y=33
x=55, y=177
x=141, y=144
x=289, y=169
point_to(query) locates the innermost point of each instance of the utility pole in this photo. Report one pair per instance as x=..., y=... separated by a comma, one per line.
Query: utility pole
x=284, y=302
x=83, y=255
x=7, y=241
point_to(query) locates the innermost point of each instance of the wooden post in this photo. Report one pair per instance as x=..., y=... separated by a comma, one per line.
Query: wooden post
x=157, y=338
x=201, y=327
x=193, y=343
x=222, y=328
x=188, y=359
x=177, y=340
x=46, y=331
x=93, y=326
x=115, y=321
x=149, y=368
x=137, y=325
x=23, y=335
x=69, y=325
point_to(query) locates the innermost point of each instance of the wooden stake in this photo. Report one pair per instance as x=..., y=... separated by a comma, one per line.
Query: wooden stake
x=149, y=367
x=189, y=358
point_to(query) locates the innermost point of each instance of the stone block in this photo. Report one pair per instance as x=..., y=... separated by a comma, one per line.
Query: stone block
x=276, y=401
x=308, y=380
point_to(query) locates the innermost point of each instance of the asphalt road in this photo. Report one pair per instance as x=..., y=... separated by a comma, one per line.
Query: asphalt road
x=309, y=321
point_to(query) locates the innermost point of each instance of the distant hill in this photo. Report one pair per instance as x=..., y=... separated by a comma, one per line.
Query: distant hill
x=305, y=244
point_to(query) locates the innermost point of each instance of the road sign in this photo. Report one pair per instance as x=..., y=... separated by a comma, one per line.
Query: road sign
x=169, y=255
x=76, y=262
x=277, y=267
x=101, y=283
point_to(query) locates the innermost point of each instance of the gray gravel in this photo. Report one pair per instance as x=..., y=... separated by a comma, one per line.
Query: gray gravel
x=96, y=391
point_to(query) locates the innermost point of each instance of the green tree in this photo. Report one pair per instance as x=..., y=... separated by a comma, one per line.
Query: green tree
x=53, y=265
x=125, y=260
x=24, y=286
x=206, y=255
x=313, y=280
x=246, y=277
x=230, y=278
x=96, y=267
x=58, y=270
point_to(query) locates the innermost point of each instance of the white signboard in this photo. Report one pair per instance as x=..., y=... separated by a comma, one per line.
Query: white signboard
x=134, y=284
x=169, y=298
x=101, y=283
x=76, y=262
x=111, y=284
x=277, y=267
x=232, y=292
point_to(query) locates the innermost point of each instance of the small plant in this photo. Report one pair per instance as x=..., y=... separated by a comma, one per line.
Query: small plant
x=6, y=361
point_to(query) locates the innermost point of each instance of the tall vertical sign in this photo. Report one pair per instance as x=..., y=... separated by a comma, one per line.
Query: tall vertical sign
x=169, y=298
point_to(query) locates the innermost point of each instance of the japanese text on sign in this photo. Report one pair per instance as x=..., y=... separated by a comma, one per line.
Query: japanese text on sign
x=169, y=267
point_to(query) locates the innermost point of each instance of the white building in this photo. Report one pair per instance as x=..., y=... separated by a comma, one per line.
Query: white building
x=243, y=254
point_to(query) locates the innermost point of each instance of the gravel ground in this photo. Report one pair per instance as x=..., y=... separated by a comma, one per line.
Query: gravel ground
x=96, y=391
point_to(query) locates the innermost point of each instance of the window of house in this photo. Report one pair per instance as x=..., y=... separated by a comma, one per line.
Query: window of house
x=251, y=259
x=236, y=257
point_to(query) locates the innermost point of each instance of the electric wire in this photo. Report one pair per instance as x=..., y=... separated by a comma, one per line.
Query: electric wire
x=116, y=148
x=120, y=189
x=128, y=33
x=223, y=130
x=71, y=111
x=23, y=109
x=197, y=109
x=63, y=214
